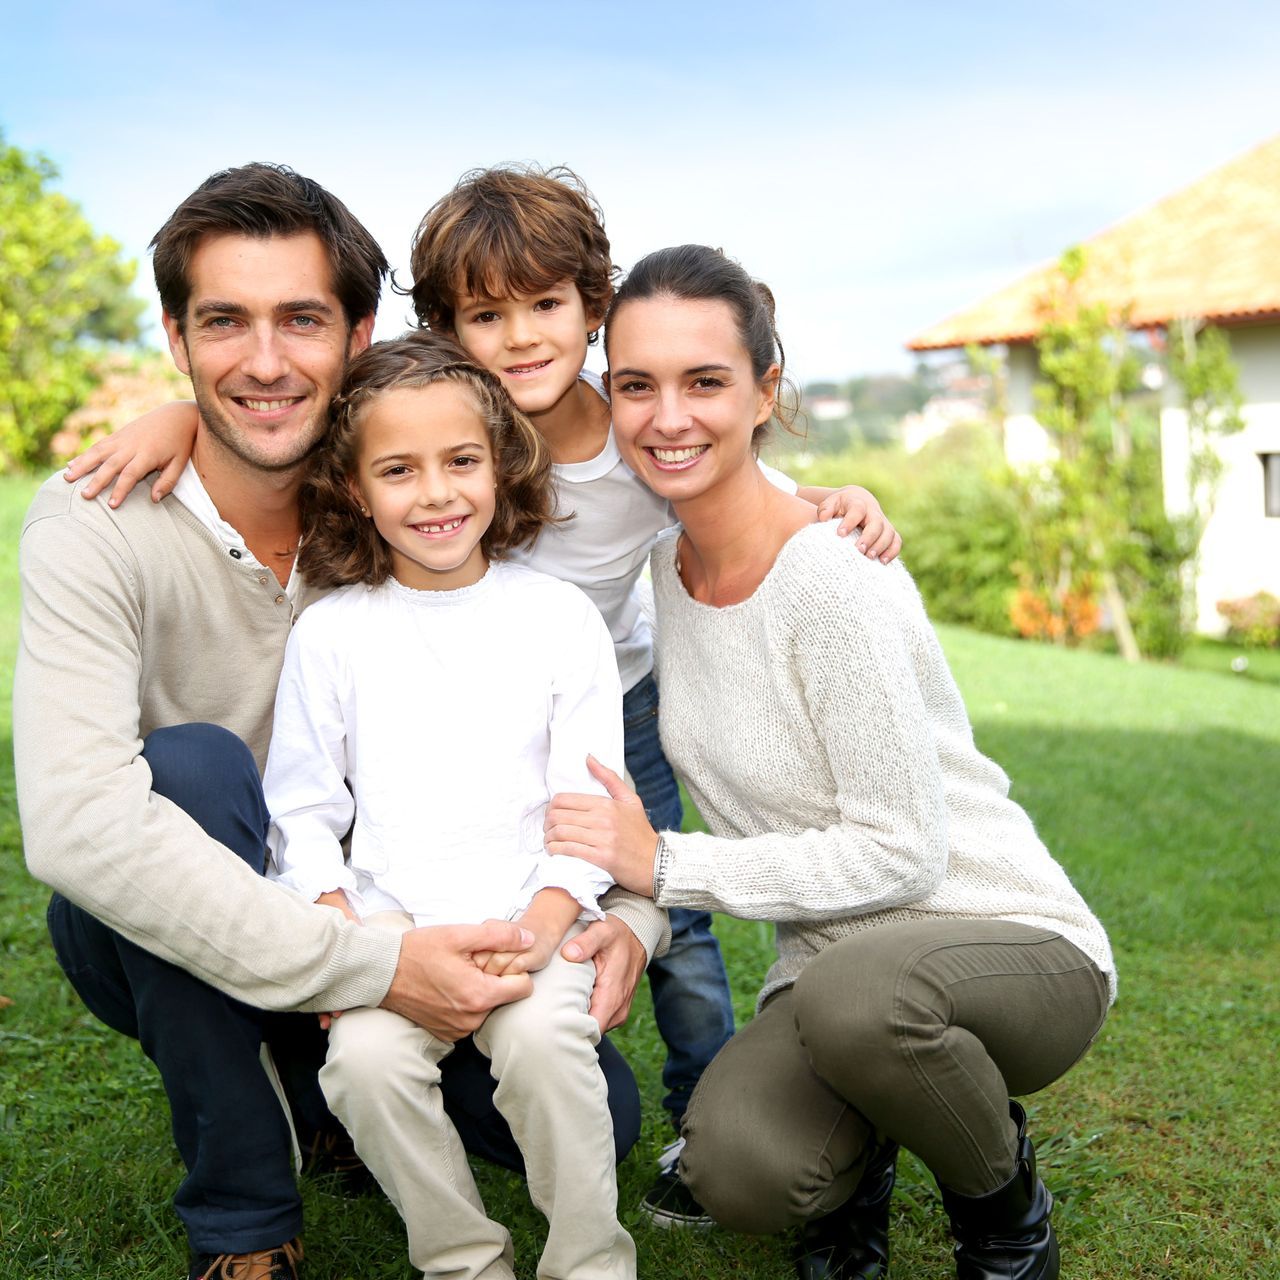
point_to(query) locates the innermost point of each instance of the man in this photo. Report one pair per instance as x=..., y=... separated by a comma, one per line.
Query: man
x=152, y=639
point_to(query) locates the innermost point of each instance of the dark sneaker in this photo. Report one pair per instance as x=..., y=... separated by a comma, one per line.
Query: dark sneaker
x=280, y=1263
x=331, y=1153
x=669, y=1203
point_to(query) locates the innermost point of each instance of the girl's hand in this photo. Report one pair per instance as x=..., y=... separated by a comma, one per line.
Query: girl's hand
x=161, y=440
x=337, y=899
x=611, y=831
x=858, y=506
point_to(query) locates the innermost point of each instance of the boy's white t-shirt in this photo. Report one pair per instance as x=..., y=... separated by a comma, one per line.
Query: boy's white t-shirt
x=605, y=547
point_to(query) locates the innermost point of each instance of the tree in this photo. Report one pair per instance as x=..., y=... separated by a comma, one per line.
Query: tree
x=64, y=301
x=1093, y=517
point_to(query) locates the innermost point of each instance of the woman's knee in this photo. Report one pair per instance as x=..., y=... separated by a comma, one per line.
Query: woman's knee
x=846, y=1012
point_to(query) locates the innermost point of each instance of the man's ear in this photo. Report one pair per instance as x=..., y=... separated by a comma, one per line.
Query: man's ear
x=177, y=343
x=361, y=335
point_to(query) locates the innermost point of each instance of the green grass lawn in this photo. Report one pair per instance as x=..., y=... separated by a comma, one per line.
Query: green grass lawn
x=1151, y=786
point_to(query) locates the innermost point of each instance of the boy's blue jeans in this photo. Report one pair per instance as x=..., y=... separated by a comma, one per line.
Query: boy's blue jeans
x=239, y=1193
x=691, y=1001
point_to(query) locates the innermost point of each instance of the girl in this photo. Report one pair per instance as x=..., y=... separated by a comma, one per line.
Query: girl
x=436, y=700
x=933, y=958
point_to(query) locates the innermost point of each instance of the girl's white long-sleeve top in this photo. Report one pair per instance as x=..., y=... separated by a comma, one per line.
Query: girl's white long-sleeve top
x=440, y=723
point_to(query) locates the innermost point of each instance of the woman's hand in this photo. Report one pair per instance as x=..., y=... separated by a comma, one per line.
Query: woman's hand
x=611, y=831
x=161, y=440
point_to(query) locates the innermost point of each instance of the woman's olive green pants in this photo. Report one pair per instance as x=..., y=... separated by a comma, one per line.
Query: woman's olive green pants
x=918, y=1032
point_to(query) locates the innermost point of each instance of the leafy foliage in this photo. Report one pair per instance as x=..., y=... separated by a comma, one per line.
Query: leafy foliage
x=64, y=297
x=1253, y=621
x=1200, y=362
x=1093, y=514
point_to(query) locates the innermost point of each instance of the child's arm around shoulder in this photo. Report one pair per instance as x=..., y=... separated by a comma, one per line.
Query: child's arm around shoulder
x=161, y=440
x=857, y=507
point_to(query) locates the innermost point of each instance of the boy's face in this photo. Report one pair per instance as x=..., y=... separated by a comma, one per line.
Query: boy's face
x=536, y=343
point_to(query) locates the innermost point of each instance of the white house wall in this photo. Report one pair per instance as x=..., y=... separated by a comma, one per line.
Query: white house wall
x=1240, y=550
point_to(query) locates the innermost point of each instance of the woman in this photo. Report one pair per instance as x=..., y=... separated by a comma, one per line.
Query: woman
x=933, y=959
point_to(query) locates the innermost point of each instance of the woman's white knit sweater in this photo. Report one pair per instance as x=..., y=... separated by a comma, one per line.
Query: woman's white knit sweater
x=823, y=739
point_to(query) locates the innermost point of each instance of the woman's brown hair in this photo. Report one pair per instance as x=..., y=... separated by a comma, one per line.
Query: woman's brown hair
x=342, y=546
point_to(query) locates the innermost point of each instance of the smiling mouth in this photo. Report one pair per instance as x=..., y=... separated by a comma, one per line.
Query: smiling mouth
x=517, y=369
x=677, y=459
x=257, y=405
x=439, y=528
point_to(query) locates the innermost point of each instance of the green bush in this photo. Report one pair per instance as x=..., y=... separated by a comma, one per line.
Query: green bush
x=1253, y=621
x=954, y=507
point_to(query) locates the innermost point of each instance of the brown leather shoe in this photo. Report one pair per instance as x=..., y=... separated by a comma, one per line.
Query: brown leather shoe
x=280, y=1263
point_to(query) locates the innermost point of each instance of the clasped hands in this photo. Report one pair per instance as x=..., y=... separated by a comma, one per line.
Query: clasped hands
x=440, y=982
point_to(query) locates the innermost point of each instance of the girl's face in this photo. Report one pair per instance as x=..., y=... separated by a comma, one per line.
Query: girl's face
x=426, y=472
x=685, y=400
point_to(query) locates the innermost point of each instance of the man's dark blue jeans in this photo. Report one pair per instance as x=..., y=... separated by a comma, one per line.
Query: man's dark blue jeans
x=239, y=1193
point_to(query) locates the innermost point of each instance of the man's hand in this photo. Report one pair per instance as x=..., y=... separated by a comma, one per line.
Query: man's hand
x=611, y=831
x=438, y=985
x=620, y=961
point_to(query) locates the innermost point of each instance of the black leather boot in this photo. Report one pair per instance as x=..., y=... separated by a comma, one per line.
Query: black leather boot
x=853, y=1242
x=1006, y=1234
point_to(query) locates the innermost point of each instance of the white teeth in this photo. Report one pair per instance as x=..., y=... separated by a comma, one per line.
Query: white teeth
x=265, y=406
x=679, y=455
x=445, y=526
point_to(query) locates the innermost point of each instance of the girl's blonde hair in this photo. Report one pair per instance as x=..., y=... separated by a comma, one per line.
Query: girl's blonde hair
x=342, y=546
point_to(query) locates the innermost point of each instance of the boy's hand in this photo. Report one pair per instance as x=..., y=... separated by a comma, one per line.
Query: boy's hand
x=161, y=440
x=858, y=507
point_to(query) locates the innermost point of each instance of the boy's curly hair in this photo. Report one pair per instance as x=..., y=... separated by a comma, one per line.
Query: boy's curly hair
x=512, y=229
x=342, y=546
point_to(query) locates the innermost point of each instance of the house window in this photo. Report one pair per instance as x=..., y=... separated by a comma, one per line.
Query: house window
x=1271, y=482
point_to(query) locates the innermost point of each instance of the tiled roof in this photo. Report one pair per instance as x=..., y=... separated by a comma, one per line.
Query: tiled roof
x=1211, y=250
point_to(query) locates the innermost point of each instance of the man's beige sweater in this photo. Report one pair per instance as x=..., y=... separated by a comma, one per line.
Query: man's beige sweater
x=136, y=619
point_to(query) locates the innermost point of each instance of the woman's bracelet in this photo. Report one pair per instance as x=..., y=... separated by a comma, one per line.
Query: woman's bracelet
x=661, y=861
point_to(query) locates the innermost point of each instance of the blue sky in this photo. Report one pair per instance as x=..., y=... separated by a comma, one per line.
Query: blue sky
x=878, y=168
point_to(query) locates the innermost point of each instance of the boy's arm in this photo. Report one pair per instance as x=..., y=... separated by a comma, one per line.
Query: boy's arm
x=161, y=441
x=858, y=507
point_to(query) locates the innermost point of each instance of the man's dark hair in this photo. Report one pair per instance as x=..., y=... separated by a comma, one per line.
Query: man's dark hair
x=264, y=200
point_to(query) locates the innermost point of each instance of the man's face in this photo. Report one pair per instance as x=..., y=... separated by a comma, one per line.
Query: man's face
x=265, y=343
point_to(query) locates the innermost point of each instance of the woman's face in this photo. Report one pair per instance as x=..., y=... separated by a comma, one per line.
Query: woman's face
x=685, y=400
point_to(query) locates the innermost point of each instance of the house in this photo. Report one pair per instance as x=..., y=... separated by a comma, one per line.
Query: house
x=1211, y=253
